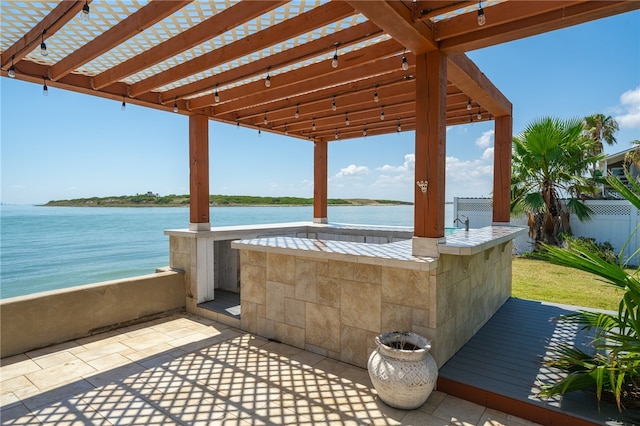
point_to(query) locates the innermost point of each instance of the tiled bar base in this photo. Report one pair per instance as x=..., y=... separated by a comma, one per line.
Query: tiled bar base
x=334, y=297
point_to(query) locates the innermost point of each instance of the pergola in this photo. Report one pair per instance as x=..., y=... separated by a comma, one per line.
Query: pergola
x=315, y=70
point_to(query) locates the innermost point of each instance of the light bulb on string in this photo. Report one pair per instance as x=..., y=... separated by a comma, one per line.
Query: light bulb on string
x=85, y=11
x=479, y=114
x=43, y=46
x=12, y=69
x=286, y=130
x=364, y=132
x=297, y=113
x=216, y=94
x=124, y=105
x=346, y=119
x=333, y=104
x=405, y=64
x=469, y=105
x=375, y=94
x=398, y=128
x=45, y=89
x=313, y=124
x=265, y=121
x=334, y=61
x=175, y=104
x=382, y=113
x=267, y=81
x=481, y=18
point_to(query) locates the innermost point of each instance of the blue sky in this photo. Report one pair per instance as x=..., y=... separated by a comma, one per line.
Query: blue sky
x=69, y=145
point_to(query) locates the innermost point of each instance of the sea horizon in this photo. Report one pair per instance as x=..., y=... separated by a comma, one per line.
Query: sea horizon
x=48, y=248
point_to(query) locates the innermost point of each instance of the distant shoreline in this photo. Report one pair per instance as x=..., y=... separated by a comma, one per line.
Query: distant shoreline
x=154, y=200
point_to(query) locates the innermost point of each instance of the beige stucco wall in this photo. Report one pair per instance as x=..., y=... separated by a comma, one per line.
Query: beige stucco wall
x=336, y=308
x=43, y=319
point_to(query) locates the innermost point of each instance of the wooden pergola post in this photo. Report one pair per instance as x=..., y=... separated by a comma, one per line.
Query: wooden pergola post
x=320, y=182
x=430, y=151
x=502, y=169
x=199, y=173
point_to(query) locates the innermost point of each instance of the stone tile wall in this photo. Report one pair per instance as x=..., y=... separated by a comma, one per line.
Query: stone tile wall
x=336, y=308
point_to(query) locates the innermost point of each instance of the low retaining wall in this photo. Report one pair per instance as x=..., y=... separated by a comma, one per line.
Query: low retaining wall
x=42, y=319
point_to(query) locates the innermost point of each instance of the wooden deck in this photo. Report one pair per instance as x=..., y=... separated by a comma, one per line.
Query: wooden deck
x=501, y=367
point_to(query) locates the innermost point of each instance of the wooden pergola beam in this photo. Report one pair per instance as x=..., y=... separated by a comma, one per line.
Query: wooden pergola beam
x=300, y=24
x=212, y=27
x=137, y=22
x=49, y=25
x=346, y=37
x=353, y=66
x=533, y=25
x=308, y=102
x=396, y=19
x=466, y=75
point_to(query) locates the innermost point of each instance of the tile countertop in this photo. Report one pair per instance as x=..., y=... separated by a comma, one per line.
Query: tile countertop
x=398, y=253
x=473, y=241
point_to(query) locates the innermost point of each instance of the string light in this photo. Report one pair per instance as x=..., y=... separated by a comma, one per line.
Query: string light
x=297, y=113
x=12, y=69
x=45, y=89
x=481, y=18
x=175, y=104
x=337, y=135
x=313, y=124
x=375, y=94
x=405, y=64
x=85, y=11
x=216, y=94
x=267, y=81
x=334, y=61
x=333, y=104
x=479, y=114
x=382, y=112
x=364, y=131
x=286, y=130
x=346, y=118
x=265, y=121
x=124, y=104
x=469, y=105
x=398, y=128
x=43, y=45
x=259, y=131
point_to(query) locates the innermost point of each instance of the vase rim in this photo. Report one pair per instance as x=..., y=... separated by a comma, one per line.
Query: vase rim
x=421, y=342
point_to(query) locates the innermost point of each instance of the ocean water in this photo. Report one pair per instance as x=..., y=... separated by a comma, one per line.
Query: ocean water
x=47, y=248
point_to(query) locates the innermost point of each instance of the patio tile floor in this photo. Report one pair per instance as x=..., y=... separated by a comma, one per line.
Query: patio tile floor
x=185, y=370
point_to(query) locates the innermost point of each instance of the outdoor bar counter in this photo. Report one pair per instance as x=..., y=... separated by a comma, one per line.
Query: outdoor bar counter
x=324, y=292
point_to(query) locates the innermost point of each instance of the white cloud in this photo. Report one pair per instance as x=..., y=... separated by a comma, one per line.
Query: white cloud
x=408, y=165
x=630, y=107
x=488, y=154
x=353, y=171
x=486, y=140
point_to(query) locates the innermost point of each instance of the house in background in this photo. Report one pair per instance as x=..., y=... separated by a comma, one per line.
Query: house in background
x=614, y=165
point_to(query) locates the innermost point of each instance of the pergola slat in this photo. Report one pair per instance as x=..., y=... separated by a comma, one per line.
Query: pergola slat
x=56, y=19
x=365, y=62
x=315, y=18
x=214, y=26
x=302, y=52
x=135, y=23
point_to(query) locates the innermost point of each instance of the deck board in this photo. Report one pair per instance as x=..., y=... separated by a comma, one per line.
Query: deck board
x=505, y=358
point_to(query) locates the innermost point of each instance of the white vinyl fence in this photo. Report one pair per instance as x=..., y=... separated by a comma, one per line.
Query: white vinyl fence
x=612, y=220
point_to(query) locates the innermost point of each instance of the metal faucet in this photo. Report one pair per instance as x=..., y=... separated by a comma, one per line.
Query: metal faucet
x=465, y=222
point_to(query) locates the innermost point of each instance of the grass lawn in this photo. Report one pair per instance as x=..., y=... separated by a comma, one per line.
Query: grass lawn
x=540, y=280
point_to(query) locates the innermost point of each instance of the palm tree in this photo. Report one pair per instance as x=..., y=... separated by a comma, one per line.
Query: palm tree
x=551, y=158
x=599, y=128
